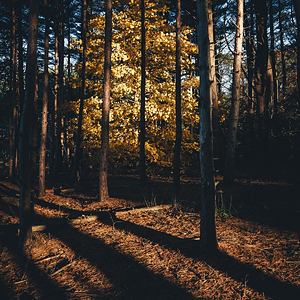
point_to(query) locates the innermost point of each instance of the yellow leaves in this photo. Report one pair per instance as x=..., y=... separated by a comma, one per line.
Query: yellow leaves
x=126, y=78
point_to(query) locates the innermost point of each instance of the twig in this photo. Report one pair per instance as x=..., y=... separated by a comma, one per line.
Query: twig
x=62, y=268
x=21, y=281
x=47, y=258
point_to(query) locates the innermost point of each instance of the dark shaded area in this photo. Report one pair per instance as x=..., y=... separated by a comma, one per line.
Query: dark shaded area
x=44, y=284
x=267, y=203
x=7, y=291
x=256, y=279
x=131, y=278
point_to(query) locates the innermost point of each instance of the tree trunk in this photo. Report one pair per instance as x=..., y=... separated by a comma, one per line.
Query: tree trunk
x=20, y=83
x=207, y=226
x=20, y=59
x=250, y=49
x=60, y=94
x=44, y=120
x=269, y=96
x=236, y=94
x=69, y=57
x=78, y=146
x=261, y=61
x=212, y=63
x=142, y=132
x=54, y=116
x=282, y=51
x=177, y=147
x=28, y=122
x=13, y=94
x=297, y=10
x=273, y=57
x=103, y=184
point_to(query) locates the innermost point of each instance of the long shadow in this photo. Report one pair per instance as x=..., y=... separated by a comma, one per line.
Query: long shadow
x=7, y=291
x=270, y=205
x=45, y=285
x=74, y=213
x=256, y=279
x=130, y=278
x=71, y=212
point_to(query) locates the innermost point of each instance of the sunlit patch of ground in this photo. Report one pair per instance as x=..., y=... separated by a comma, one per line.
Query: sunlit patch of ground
x=145, y=254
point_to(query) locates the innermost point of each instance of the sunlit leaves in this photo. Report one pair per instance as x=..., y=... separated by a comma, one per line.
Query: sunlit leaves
x=125, y=94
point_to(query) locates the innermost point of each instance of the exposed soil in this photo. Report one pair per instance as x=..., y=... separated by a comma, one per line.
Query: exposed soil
x=114, y=250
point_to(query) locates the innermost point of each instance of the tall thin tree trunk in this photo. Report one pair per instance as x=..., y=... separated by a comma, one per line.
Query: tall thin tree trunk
x=28, y=123
x=20, y=59
x=261, y=60
x=273, y=57
x=78, y=146
x=13, y=95
x=177, y=147
x=142, y=132
x=207, y=213
x=69, y=57
x=20, y=82
x=103, y=173
x=44, y=119
x=216, y=49
x=297, y=10
x=250, y=49
x=282, y=50
x=60, y=95
x=212, y=63
x=236, y=94
x=54, y=117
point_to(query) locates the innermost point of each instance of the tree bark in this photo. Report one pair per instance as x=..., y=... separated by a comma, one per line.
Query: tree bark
x=60, y=94
x=250, y=50
x=297, y=11
x=44, y=119
x=236, y=94
x=282, y=50
x=54, y=108
x=207, y=227
x=142, y=132
x=261, y=61
x=212, y=63
x=79, y=137
x=20, y=59
x=269, y=92
x=273, y=57
x=178, y=140
x=13, y=94
x=28, y=123
x=103, y=174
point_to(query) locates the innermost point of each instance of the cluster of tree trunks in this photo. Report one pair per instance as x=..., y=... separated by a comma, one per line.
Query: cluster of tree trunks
x=263, y=94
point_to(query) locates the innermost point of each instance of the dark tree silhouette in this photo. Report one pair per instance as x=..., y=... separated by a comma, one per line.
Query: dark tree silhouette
x=178, y=140
x=103, y=173
x=207, y=212
x=142, y=132
x=28, y=123
x=236, y=94
x=79, y=137
x=44, y=119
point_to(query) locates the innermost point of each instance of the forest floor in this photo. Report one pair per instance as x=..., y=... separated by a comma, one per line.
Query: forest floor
x=137, y=246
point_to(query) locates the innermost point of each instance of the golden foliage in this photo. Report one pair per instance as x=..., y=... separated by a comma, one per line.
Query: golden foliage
x=125, y=92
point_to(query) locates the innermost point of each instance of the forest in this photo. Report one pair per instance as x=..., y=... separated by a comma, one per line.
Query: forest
x=149, y=149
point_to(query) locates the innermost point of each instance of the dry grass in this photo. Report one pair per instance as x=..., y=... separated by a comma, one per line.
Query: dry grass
x=146, y=254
